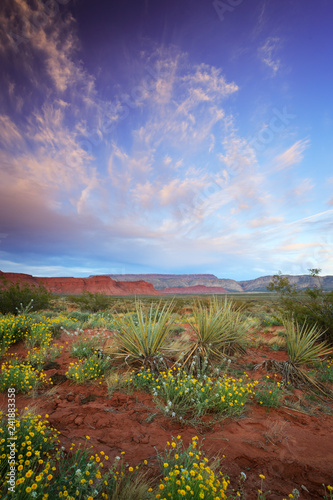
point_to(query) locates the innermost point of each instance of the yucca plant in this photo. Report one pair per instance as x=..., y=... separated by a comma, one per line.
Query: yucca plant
x=302, y=343
x=143, y=337
x=219, y=331
x=304, y=346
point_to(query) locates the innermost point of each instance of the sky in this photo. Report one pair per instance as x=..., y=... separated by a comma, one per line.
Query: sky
x=169, y=136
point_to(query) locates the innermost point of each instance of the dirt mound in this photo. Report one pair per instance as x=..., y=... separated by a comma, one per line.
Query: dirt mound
x=77, y=286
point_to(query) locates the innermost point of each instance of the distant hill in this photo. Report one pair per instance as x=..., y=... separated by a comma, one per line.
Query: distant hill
x=161, y=281
x=195, y=290
x=165, y=281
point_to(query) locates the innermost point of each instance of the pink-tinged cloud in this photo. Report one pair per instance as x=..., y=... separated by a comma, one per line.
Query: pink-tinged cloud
x=291, y=156
x=266, y=221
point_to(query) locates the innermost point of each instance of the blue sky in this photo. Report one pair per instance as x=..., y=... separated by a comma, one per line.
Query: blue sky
x=185, y=136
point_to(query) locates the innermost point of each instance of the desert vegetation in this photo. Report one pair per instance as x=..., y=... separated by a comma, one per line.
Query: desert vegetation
x=166, y=398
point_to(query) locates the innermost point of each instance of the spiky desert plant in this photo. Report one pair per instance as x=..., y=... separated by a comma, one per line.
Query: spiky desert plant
x=143, y=337
x=303, y=343
x=304, y=346
x=219, y=331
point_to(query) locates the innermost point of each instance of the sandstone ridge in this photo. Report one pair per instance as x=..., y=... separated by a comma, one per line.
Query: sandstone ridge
x=78, y=286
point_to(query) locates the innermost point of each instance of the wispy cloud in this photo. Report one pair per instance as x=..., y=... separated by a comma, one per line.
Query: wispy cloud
x=267, y=54
x=292, y=155
x=10, y=136
x=305, y=186
x=35, y=31
x=266, y=221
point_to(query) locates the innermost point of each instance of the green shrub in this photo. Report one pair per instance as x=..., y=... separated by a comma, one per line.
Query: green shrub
x=267, y=320
x=269, y=393
x=100, y=320
x=314, y=306
x=14, y=298
x=324, y=370
x=92, y=302
x=85, y=347
x=79, y=315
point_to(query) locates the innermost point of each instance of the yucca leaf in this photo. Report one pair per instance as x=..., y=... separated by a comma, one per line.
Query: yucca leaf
x=218, y=330
x=303, y=342
x=144, y=340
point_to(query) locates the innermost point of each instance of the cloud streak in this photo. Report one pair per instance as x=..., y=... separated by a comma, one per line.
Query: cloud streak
x=292, y=156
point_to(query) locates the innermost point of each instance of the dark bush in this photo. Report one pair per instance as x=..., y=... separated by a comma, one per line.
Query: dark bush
x=313, y=305
x=15, y=298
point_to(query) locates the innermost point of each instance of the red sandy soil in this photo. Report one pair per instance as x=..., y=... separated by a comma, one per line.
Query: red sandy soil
x=291, y=448
x=77, y=286
x=196, y=289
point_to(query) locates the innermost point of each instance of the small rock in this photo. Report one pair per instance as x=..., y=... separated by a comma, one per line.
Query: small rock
x=78, y=421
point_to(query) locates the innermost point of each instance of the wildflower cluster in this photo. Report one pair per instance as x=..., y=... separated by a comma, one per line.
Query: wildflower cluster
x=22, y=376
x=35, y=331
x=13, y=329
x=79, y=474
x=269, y=393
x=39, y=334
x=38, y=357
x=57, y=323
x=34, y=441
x=43, y=469
x=186, y=474
x=89, y=369
x=183, y=393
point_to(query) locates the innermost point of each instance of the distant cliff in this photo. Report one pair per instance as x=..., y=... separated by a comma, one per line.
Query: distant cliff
x=195, y=290
x=77, y=286
x=162, y=281
x=177, y=281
